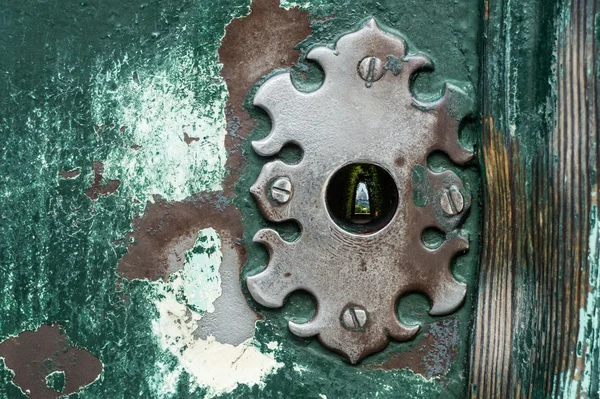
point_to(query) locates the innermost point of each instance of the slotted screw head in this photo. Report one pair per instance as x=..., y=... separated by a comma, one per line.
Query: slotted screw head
x=354, y=317
x=281, y=190
x=371, y=69
x=452, y=201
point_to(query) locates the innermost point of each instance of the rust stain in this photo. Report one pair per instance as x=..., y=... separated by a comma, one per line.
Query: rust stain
x=70, y=174
x=252, y=47
x=432, y=356
x=97, y=189
x=34, y=354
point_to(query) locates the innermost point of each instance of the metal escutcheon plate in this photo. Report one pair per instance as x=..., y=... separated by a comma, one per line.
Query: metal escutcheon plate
x=363, y=112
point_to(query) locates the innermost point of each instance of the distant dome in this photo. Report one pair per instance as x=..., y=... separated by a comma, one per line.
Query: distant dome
x=362, y=194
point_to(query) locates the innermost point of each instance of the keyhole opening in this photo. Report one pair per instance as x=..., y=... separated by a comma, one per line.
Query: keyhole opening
x=362, y=198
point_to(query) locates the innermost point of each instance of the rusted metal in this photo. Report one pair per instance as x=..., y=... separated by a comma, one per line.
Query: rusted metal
x=347, y=121
x=432, y=356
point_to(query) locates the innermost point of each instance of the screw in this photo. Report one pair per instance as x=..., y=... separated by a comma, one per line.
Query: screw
x=371, y=69
x=452, y=201
x=281, y=190
x=354, y=317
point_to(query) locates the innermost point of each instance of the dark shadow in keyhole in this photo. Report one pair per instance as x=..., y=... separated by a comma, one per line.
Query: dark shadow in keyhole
x=362, y=198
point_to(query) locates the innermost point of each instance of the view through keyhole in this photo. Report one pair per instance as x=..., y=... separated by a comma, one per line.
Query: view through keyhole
x=362, y=198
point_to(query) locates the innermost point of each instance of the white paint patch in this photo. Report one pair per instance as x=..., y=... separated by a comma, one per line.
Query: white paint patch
x=153, y=107
x=219, y=368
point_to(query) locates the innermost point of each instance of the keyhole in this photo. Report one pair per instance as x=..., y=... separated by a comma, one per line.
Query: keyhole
x=362, y=198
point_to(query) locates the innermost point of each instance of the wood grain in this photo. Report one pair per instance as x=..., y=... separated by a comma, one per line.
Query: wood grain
x=532, y=337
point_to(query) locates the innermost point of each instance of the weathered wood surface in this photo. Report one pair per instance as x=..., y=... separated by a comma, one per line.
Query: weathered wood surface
x=536, y=327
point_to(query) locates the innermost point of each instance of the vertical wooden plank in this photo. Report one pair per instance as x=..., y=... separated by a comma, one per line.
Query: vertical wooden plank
x=536, y=329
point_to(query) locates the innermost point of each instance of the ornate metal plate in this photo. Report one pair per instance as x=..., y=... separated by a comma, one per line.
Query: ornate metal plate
x=364, y=112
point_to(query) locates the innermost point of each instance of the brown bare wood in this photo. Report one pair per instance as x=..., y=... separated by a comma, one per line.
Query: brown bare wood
x=532, y=337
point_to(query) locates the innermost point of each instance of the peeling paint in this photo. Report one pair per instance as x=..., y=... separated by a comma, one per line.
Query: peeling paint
x=218, y=367
x=181, y=303
x=156, y=108
x=51, y=355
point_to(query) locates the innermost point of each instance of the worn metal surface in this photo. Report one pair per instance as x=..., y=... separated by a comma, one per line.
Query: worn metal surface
x=347, y=121
x=452, y=201
x=281, y=191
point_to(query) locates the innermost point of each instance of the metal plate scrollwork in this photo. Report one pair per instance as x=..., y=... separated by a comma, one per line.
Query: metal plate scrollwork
x=363, y=112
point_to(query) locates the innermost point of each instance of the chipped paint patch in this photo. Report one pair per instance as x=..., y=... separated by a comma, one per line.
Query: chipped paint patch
x=49, y=352
x=181, y=303
x=156, y=108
